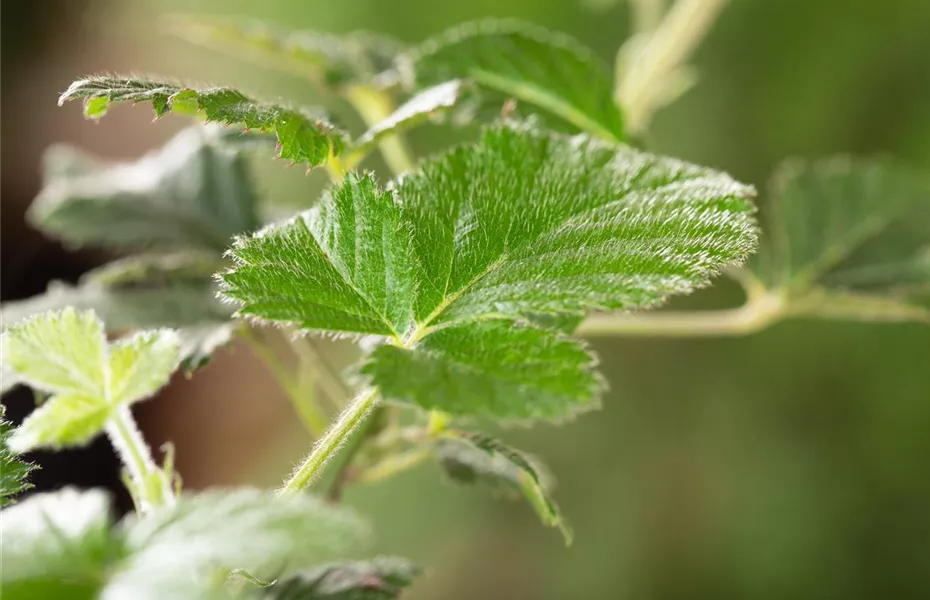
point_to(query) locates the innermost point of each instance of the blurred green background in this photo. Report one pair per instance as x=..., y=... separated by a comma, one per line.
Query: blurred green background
x=790, y=464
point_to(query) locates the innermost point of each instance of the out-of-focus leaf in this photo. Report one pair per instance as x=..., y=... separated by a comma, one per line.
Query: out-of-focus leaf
x=302, y=137
x=328, y=60
x=849, y=238
x=470, y=458
x=548, y=70
x=382, y=578
x=196, y=192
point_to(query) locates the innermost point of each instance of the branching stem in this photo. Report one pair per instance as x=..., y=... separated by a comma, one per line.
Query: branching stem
x=152, y=485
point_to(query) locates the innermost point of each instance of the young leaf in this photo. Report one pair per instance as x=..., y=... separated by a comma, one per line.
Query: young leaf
x=849, y=234
x=469, y=457
x=13, y=472
x=523, y=224
x=145, y=292
x=522, y=61
x=177, y=552
x=421, y=107
x=328, y=60
x=57, y=545
x=382, y=578
x=302, y=137
x=196, y=192
x=66, y=354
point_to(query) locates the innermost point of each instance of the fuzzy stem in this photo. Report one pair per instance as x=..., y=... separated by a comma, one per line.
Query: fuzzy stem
x=326, y=447
x=374, y=106
x=757, y=314
x=667, y=49
x=152, y=485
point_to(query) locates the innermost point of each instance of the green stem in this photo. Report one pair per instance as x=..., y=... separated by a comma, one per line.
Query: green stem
x=311, y=360
x=755, y=315
x=344, y=474
x=329, y=444
x=664, y=51
x=374, y=106
x=300, y=397
x=152, y=485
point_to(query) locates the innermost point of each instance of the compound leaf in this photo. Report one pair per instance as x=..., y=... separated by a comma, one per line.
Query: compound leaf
x=381, y=578
x=194, y=193
x=494, y=369
x=13, y=472
x=302, y=137
x=521, y=225
x=328, y=60
x=66, y=354
x=853, y=234
x=421, y=107
x=469, y=457
x=57, y=545
x=177, y=552
x=522, y=61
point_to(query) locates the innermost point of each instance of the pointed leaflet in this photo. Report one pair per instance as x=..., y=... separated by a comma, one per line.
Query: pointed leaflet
x=196, y=192
x=13, y=472
x=66, y=354
x=548, y=70
x=382, y=578
x=143, y=292
x=303, y=138
x=421, y=107
x=523, y=224
x=331, y=60
x=469, y=457
x=857, y=232
x=63, y=545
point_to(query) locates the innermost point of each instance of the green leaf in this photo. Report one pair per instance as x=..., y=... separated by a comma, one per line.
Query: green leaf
x=849, y=238
x=57, y=545
x=66, y=354
x=302, y=137
x=494, y=369
x=548, y=70
x=145, y=292
x=328, y=60
x=13, y=472
x=178, y=552
x=421, y=107
x=523, y=224
x=382, y=578
x=194, y=193
x=63, y=545
x=469, y=457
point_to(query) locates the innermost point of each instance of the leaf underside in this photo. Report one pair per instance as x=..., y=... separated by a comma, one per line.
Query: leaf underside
x=194, y=193
x=469, y=458
x=302, y=137
x=855, y=231
x=548, y=70
x=382, y=578
x=523, y=224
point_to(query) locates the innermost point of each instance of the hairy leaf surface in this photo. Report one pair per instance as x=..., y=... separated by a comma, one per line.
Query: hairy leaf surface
x=470, y=458
x=382, y=578
x=196, y=192
x=856, y=231
x=13, y=472
x=329, y=60
x=66, y=354
x=548, y=70
x=302, y=137
x=522, y=225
